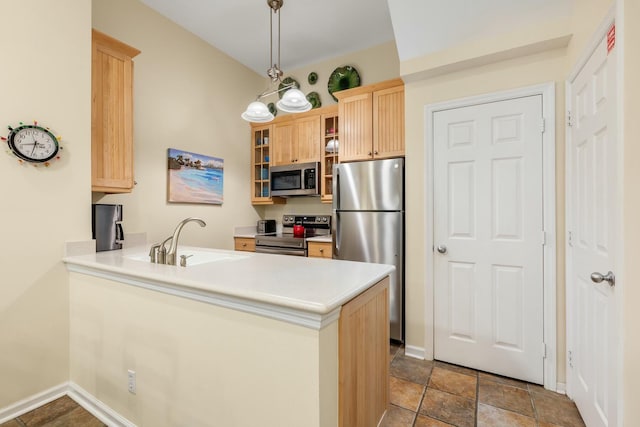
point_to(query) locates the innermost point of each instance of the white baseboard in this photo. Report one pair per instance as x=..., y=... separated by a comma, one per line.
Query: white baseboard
x=32, y=402
x=561, y=388
x=97, y=408
x=415, y=352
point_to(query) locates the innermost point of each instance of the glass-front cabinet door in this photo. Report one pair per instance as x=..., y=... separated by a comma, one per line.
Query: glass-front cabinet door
x=260, y=163
x=330, y=145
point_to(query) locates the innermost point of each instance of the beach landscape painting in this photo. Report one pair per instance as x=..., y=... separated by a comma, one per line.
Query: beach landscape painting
x=194, y=178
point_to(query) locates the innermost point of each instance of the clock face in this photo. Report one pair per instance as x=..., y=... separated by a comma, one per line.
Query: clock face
x=33, y=143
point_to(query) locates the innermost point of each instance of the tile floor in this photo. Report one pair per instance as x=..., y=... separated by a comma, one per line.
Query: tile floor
x=436, y=394
x=62, y=412
x=423, y=394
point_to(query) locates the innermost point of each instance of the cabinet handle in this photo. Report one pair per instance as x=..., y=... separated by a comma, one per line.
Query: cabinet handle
x=369, y=153
x=321, y=250
x=244, y=245
x=375, y=152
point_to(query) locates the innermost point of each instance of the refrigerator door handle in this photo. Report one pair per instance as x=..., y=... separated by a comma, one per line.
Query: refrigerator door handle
x=336, y=234
x=336, y=187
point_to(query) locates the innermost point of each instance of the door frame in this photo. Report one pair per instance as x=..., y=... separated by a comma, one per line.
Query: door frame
x=547, y=91
x=613, y=15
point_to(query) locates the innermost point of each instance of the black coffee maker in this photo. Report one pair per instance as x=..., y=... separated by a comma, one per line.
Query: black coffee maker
x=106, y=226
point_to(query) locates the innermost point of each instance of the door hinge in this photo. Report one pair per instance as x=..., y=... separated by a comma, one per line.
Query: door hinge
x=544, y=350
x=569, y=118
x=543, y=125
x=570, y=358
x=544, y=237
x=570, y=238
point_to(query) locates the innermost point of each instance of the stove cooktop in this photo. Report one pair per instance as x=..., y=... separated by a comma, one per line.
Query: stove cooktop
x=314, y=225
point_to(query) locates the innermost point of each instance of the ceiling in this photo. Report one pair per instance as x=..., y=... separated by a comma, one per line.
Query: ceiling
x=312, y=30
x=315, y=30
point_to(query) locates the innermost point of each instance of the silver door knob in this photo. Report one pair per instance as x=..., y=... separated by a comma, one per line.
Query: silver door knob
x=442, y=249
x=599, y=278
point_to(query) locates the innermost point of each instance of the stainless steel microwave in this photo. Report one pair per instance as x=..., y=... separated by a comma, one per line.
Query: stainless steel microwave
x=297, y=179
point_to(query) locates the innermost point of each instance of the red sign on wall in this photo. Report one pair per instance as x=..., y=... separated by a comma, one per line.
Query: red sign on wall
x=611, y=38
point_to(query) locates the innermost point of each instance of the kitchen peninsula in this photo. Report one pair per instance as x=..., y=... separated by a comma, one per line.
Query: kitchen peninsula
x=236, y=339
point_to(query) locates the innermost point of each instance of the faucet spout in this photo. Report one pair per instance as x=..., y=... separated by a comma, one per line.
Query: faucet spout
x=173, y=249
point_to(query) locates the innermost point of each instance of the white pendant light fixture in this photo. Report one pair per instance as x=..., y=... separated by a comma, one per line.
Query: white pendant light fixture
x=293, y=100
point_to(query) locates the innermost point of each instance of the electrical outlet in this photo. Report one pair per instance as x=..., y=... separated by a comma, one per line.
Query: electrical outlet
x=131, y=381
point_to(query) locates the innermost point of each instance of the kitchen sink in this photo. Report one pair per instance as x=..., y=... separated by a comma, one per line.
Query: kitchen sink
x=195, y=257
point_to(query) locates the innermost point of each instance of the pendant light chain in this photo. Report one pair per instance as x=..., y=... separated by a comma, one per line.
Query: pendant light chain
x=270, y=40
x=293, y=100
x=278, y=12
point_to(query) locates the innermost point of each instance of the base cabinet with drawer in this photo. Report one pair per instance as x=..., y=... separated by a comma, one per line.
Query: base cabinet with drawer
x=319, y=249
x=246, y=244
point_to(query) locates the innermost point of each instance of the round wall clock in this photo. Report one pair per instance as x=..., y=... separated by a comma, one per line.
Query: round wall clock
x=33, y=143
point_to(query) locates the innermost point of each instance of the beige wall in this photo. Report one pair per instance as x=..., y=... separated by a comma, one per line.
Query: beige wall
x=45, y=75
x=188, y=95
x=374, y=65
x=631, y=277
x=525, y=71
x=198, y=364
x=548, y=66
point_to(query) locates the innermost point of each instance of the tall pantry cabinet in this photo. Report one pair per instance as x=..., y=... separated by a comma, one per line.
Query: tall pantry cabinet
x=111, y=114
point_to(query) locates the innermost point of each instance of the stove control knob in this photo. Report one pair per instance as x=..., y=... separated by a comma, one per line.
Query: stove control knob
x=324, y=219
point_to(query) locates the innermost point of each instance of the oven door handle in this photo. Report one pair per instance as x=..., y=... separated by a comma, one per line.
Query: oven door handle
x=280, y=251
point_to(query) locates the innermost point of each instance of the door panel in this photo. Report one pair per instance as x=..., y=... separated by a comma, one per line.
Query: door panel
x=488, y=214
x=462, y=200
x=507, y=199
x=592, y=204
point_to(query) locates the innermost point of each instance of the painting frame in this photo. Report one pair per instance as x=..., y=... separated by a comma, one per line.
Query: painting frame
x=194, y=178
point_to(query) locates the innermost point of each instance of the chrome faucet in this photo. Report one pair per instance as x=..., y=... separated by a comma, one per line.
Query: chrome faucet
x=173, y=249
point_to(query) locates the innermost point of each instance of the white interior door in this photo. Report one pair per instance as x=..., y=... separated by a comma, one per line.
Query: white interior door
x=592, y=206
x=488, y=236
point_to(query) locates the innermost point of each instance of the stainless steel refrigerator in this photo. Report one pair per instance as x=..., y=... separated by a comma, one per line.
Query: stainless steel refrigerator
x=368, y=223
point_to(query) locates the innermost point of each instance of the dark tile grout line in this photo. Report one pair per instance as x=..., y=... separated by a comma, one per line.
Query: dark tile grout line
x=533, y=404
x=477, y=399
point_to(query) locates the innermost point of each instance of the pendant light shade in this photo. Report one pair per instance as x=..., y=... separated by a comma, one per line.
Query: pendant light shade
x=293, y=100
x=257, y=112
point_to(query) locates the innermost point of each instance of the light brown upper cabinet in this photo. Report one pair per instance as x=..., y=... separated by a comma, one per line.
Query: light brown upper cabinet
x=372, y=121
x=111, y=114
x=297, y=140
x=329, y=152
x=261, y=162
x=291, y=139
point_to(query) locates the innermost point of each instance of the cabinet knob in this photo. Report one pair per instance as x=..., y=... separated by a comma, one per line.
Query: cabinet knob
x=369, y=153
x=244, y=245
x=375, y=152
x=321, y=250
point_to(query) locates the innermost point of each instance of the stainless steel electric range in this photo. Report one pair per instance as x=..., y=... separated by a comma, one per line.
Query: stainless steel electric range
x=286, y=243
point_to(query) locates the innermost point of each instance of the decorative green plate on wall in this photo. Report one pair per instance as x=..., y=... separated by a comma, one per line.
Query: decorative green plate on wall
x=343, y=78
x=314, y=99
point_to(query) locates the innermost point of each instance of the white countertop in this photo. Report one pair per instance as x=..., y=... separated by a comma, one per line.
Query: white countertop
x=322, y=239
x=304, y=288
